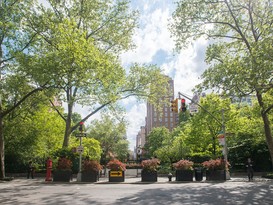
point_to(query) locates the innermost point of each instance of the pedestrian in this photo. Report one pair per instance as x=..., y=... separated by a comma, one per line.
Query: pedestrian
x=249, y=168
x=30, y=170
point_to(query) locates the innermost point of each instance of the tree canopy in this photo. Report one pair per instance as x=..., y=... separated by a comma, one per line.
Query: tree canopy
x=240, y=54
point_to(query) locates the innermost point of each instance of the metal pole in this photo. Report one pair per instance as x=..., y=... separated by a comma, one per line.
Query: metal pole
x=225, y=145
x=79, y=176
x=80, y=164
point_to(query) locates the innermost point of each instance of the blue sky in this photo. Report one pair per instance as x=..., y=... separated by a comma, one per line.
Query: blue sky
x=155, y=46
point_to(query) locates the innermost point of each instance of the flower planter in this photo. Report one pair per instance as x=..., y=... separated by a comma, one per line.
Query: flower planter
x=116, y=176
x=89, y=176
x=184, y=175
x=62, y=175
x=148, y=176
x=216, y=175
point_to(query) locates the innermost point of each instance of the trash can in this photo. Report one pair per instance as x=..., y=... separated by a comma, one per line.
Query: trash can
x=198, y=174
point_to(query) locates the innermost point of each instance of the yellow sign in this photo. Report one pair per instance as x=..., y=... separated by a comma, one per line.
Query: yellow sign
x=116, y=174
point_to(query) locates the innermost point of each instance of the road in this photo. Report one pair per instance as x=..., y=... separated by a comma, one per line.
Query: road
x=35, y=191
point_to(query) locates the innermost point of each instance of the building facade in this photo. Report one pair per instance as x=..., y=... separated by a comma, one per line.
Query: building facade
x=162, y=117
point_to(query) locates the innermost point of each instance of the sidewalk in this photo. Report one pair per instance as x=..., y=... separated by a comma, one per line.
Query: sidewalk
x=133, y=180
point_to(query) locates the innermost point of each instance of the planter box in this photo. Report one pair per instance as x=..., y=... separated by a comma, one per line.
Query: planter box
x=147, y=176
x=215, y=175
x=116, y=176
x=184, y=175
x=62, y=175
x=89, y=176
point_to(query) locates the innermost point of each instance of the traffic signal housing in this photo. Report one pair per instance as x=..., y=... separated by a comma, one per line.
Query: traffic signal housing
x=174, y=105
x=183, y=105
x=81, y=126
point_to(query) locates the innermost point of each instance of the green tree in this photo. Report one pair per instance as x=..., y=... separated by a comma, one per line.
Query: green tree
x=16, y=38
x=155, y=140
x=32, y=132
x=79, y=54
x=241, y=62
x=111, y=134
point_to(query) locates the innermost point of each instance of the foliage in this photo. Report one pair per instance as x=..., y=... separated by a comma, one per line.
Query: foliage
x=133, y=166
x=183, y=165
x=268, y=175
x=150, y=165
x=116, y=165
x=92, y=147
x=15, y=86
x=156, y=138
x=240, y=55
x=91, y=165
x=110, y=132
x=215, y=164
x=64, y=164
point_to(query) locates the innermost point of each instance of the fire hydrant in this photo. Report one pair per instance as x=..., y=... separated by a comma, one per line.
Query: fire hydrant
x=48, y=169
x=170, y=177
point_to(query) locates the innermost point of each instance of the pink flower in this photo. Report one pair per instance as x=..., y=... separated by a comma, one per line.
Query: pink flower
x=183, y=165
x=150, y=164
x=116, y=165
x=217, y=164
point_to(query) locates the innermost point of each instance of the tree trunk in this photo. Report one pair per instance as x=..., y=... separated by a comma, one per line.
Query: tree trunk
x=68, y=125
x=268, y=135
x=267, y=129
x=2, y=150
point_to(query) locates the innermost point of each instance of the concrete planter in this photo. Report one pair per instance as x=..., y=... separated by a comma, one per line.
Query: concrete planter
x=216, y=175
x=184, y=175
x=148, y=176
x=62, y=175
x=89, y=176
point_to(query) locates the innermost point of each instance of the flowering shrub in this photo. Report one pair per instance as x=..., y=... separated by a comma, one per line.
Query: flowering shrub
x=64, y=163
x=217, y=164
x=91, y=165
x=183, y=165
x=133, y=166
x=116, y=165
x=150, y=164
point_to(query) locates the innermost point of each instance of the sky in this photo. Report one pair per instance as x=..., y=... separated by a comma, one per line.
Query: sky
x=154, y=45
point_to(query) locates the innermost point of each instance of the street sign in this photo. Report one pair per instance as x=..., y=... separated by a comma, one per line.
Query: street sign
x=115, y=173
x=80, y=149
x=81, y=134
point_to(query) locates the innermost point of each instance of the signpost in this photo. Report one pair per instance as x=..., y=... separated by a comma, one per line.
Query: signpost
x=80, y=150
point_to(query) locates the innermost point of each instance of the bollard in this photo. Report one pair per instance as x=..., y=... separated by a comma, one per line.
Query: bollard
x=170, y=177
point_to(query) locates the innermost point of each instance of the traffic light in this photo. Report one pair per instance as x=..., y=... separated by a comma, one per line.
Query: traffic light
x=183, y=105
x=81, y=126
x=174, y=105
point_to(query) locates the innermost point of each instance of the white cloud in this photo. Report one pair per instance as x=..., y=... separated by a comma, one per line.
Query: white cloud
x=152, y=36
x=136, y=118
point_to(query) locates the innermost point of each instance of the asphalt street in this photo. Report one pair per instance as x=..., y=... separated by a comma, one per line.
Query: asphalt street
x=235, y=191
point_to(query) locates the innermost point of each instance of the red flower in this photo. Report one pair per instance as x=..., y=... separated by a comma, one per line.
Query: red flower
x=183, y=165
x=116, y=165
x=64, y=163
x=150, y=164
x=91, y=165
x=217, y=164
